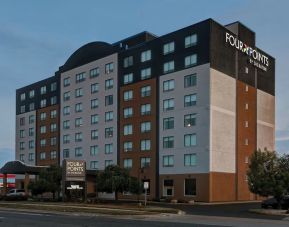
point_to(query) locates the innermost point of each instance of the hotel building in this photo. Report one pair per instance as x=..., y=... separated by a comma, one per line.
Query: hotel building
x=183, y=111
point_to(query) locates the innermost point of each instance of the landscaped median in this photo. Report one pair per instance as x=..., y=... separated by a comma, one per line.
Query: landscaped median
x=80, y=208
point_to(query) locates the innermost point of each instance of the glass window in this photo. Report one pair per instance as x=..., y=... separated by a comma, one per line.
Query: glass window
x=53, y=100
x=43, y=103
x=80, y=77
x=168, y=85
x=94, y=134
x=108, y=132
x=190, y=120
x=146, y=73
x=42, y=116
x=108, y=148
x=190, y=80
x=146, y=55
x=168, y=161
x=66, y=124
x=94, y=72
x=145, y=145
x=191, y=40
x=109, y=68
x=22, y=145
x=78, y=122
x=145, y=162
x=53, y=114
x=78, y=152
x=190, y=140
x=22, y=120
x=31, y=157
x=94, y=88
x=94, y=119
x=21, y=157
x=168, y=104
x=145, y=126
x=66, y=139
x=169, y=67
x=78, y=107
x=94, y=103
x=22, y=133
x=128, y=95
x=43, y=90
x=42, y=155
x=53, y=86
x=108, y=163
x=22, y=109
x=66, y=96
x=108, y=84
x=145, y=91
x=190, y=159
x=191, y=60
x=31, y=132
x=53, y=155
x=190, y=187
x=128, y=78
x=127, y=146
x=93, y=150
x=66, y=81
x=128, y=61
x=146, y=109
x=108, y=116
x=66, y=110
x=127, y=129
x=31, y=144
x=169, y=48
x=78, y=92
x=168, y=142
x=31, y=106
x=53, y=141
x=43, y=129
x=127, y=163
x=53, y=127
x=31, y=119
x=168, y=123
x=66, y=153
x=22, y=97
x=127, y=112
x=93, y=164
x=108, y=100
x=190, y=100
x=31, y=94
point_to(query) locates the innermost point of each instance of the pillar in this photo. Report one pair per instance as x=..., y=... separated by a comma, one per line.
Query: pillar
x=4, y=192
x=26, y=183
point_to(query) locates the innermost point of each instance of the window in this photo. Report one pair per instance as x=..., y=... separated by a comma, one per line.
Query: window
x=66, y=153
x=108, y=84
x=66, y=81
x=145, y=162
x=246, y=88
x=94, y=119
x=108, y=116
x=53, y=86
x=31, y=119
x=168, y=104
x=53, y=100
x=146, y=55
x=53, y=155
x=53, y=127
x=246, y=124
x=78, y=107
x=190, y=80
x=108, y=163
x=190, y=140
x=66, y=139
x=31, y=106
x=78, y=122
x=145, y=126
x=246, y=159
x=146, y=91
x=128, y=61
x=108, y=132
x=43, y=116
x=246, y=142
x=80, y=77
x=108, y=100
x=168, y=161
x=94, y=134
x=168, y=123
x=127, y=163
x=43, y=129
x=42, y=155
x=22, y=109
x=108, y=148
x=94, y=88
x=169, y=48
x=22, y=120
x=78, y=152
x=22, y=145
x=31, y=144
x=168, y=142
x=127, y=112
x=191, y=60
x=21, y=157
x=43, y=103
x=22, y=133
x=31, y=157
x=127, y=146
x=66, y=110
x=53, y=113
x=169, y=67
x=145, y=145
x=31, y=131
x=66, y=96
x=127, y=129
x=189, y=120
x=169, y=85
x=190, y=159
x=145, y=109
x=43, y=90
x=93, y=150
x=78, y=92
x=190, y=187
x=190, y=40
x=94, y=103
x=128, y=78
x=246, y=70
x=94, y=72
x=53, y=141
x=246, y=106
x=93, y=164
x=109, y=68
x=190, y=100
x=146, y=73
x=31, y=94
x=128, y=95
x=66, y=124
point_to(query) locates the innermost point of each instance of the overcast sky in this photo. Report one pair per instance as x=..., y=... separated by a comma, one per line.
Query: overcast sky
x=36, y=37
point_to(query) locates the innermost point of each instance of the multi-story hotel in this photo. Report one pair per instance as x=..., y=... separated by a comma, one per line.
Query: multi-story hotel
x=183, y=111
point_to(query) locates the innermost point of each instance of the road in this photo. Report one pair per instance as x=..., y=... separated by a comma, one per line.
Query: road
x=29, y=219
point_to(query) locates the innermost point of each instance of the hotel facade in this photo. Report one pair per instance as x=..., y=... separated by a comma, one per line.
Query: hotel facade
x=183, y=111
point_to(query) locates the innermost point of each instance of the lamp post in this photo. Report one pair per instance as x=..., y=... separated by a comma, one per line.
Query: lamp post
x=140, y=170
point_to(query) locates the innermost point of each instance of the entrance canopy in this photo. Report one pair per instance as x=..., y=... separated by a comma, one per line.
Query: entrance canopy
x=18, y=167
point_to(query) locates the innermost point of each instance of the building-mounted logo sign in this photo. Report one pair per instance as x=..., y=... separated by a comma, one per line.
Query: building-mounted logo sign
x=258, y=59
x=74, y=170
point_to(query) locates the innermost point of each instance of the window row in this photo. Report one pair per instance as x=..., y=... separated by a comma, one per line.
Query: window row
x=94, y=150
x=43, y=91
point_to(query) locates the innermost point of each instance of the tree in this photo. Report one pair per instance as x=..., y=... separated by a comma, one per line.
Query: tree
x=266, y=175
x=116, y=179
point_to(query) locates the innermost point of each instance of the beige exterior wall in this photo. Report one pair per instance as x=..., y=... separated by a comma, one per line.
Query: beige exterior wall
x=223, y=122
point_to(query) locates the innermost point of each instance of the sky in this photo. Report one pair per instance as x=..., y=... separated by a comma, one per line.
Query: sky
x=36, y=37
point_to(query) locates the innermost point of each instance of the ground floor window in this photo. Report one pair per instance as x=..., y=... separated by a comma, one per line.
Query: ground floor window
x=190, y=187
x=168, y=189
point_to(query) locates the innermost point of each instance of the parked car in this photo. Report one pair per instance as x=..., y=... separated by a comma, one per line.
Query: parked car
x=272, y=203
x=16, y=194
